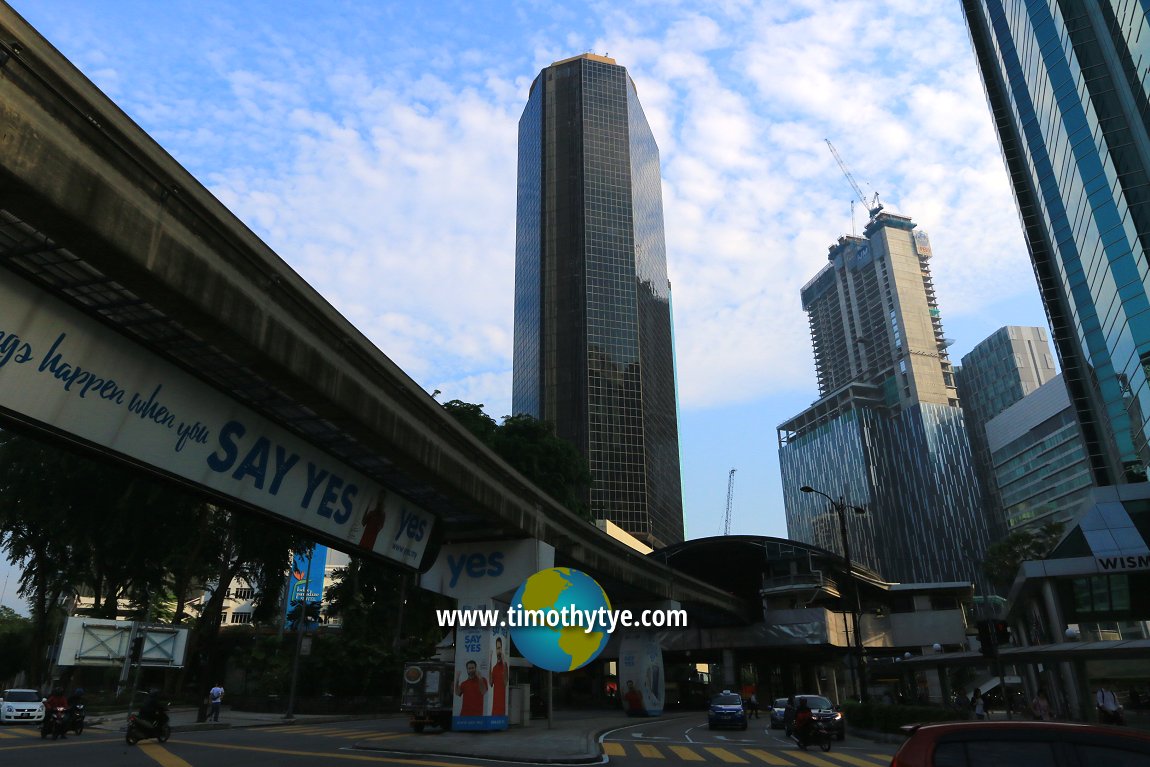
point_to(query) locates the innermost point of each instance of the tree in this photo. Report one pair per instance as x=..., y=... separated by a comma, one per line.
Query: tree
x=1004, y=557
x=533, y=449
x=15, y=643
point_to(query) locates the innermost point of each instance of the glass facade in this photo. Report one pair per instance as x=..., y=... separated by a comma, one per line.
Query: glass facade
x=1069, y=89
x=593, y=343
x=912, y=472
x=1006, y=366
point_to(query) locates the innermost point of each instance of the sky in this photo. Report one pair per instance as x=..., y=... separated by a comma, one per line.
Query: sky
x=372, y=145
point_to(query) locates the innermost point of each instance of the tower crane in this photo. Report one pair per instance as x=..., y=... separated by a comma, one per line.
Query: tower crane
x=730, y=498
x=874, y=206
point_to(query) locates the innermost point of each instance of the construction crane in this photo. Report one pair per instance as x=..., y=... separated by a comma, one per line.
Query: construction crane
x=730, y=498
x=874, y=206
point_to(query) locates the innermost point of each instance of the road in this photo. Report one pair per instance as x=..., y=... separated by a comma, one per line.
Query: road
x=662, y=742
x=689, y=742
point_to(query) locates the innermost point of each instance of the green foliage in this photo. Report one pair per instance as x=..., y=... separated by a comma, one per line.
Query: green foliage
x=15, y=642
x=74, y=524
x=533, y=449
x=884, y=717
x=1005, y=556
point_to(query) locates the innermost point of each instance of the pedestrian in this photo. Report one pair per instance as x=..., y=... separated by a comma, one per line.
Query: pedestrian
x=215, y=697
x=754, y=706
x=1040, y=707
x=1109, y=710
x=977, y=704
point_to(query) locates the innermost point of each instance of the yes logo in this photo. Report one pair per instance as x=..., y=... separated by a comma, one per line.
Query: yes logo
x=410, y=523
x=475, y=565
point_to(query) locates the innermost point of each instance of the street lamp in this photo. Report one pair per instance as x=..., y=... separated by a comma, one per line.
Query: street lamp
x=841, y=507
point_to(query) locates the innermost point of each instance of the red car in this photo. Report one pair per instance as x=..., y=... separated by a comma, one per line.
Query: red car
x=1033, y=744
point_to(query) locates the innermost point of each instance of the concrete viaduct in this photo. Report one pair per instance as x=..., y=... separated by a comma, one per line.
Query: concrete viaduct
x=94, y=211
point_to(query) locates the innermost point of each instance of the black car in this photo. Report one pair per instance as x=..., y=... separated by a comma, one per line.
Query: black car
x=727, y=710
x=826, y=712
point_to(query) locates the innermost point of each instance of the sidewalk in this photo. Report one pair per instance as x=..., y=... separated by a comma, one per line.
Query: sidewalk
x=573, y=738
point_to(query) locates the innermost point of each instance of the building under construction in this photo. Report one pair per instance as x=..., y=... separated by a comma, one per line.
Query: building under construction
x=887, y=432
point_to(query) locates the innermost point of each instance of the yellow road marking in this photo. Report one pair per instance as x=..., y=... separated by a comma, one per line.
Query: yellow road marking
x=856, y=761
x=726, y=755
x=324, y=756
x=817, y=761
x=686, y=754
x=161, y=755
x=614, y=749
x=649, y=751
x=8, y=735
x=767, y=756
x=385, y=736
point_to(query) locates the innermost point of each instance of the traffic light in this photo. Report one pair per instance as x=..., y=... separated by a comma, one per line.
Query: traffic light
x=986, y=639
x=137, y=650
x=1001, y=633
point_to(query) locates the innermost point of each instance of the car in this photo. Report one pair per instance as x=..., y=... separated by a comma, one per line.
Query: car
x=1035, y=744
x=778, y=713
x=727, y=710
x=21, y=706
x=826, y=712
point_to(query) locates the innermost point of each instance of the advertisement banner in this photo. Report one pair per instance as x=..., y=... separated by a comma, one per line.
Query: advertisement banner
x=76, y=375
x=641, y=685
x=306, y=582
x=486, y=568
x=480, y=684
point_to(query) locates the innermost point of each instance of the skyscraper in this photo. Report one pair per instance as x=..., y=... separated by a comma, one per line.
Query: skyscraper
x=887, y=432
x=1069, y=92
x=1007, y=365
x=1038, y=463
x=593, y=344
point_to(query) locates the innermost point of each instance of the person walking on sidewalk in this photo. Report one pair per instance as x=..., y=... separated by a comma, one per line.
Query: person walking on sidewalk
x=215, y=697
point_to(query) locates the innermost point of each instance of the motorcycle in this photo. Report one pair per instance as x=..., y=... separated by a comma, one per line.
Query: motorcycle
x=815, y=733
x=141, y=729
x=55, y=723
x=76, y=724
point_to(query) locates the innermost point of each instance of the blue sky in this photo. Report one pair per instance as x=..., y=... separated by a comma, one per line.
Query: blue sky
x=373, y=146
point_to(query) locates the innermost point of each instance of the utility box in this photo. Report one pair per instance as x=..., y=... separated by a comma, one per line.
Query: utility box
x=427, y=694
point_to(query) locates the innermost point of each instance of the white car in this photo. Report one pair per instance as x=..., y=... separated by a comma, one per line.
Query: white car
x=21, y=706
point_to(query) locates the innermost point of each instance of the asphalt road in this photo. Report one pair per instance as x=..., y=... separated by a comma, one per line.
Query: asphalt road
x=662, y=742
x=324, y=744
x=687, y=741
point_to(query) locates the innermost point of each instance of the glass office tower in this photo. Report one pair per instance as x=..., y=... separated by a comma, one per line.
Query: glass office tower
x=1006, y=366
x=1069, y=90
x=593, y=343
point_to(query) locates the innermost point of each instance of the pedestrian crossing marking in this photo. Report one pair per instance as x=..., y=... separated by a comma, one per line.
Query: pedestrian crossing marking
x=686, y=754
x=614, y=749
x=817, y=761
x=8, y=735
x=726, y=755
x=384, y=736
x=857, y=761
x=649, y=751
x=770, y=758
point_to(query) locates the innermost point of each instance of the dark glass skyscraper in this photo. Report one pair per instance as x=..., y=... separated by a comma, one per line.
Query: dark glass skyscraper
x=593, y=344
x=1069, y=90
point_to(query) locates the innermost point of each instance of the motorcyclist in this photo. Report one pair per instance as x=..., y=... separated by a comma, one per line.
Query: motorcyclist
x=55, y=700
x=151, y=709
x=76, y=703
x=804, y=720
